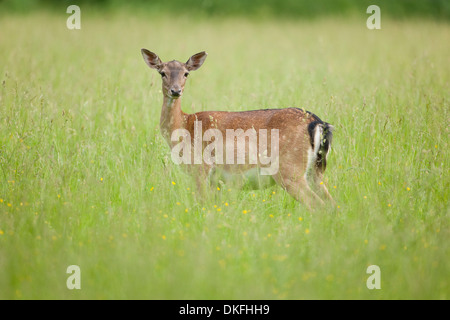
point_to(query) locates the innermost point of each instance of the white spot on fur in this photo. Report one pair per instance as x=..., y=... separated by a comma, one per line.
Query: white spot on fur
x=312, y=154
x=318, y=132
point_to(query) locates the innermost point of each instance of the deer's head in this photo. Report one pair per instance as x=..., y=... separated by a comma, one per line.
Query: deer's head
x=173, y=73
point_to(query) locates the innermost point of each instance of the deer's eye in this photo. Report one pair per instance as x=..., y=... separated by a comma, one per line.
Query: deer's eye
x=163, y=74
x=186, y=74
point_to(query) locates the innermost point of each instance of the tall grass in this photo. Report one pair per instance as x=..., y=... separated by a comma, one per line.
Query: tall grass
x=86, y=178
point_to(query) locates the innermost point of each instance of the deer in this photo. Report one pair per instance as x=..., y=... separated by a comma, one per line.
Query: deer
x=303, y=141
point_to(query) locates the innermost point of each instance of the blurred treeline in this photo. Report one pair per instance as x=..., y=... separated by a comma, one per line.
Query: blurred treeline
x=435, y=9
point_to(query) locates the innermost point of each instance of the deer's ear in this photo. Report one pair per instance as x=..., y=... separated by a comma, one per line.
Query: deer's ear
x=152, y=60
x=196, y=61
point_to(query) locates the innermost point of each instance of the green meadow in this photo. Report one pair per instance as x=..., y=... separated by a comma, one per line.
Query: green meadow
x=86, y=178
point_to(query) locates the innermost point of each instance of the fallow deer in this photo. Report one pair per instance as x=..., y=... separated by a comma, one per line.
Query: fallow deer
x=304, y=140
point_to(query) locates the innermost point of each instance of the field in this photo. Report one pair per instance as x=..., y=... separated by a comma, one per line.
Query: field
x=86, y=178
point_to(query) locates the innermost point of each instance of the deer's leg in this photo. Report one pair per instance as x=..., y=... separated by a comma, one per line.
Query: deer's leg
x=300, y=190
x=320, y=185
x=201, y=176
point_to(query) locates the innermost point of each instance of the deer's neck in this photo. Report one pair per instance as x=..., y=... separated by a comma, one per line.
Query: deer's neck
x=172, y=117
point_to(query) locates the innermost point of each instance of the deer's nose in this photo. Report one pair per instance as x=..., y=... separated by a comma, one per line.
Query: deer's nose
x=175, y=92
